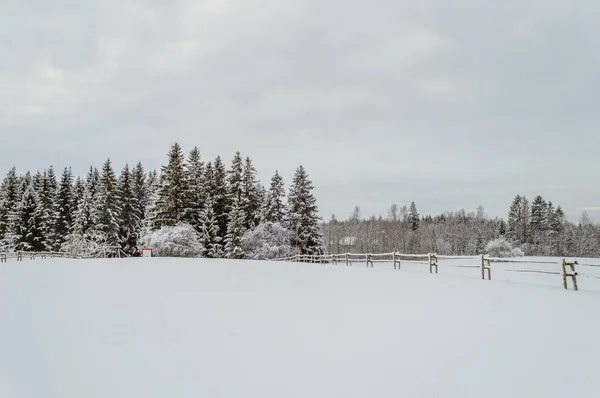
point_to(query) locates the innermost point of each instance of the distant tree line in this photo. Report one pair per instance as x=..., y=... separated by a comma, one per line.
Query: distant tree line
x=217, y=205
x=538, y=228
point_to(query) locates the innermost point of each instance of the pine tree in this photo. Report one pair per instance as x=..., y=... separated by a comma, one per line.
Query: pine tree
x=515, y=219
x=129, y=218
x=302, y=219
x=234, y=180
x=235, y=232
x=501, y=228
x=77, y=195
x=251, y=202
x=194, y=181
x=538, y=218
x=274, y=207
x=524, y=224
x=211, y=240
x=141, y=194
x=172, y=196
x=413, y=217
x=47, y=198
x=10, y=196
x=84, y=226
x=62, y=212
x=151, y=221
x=106, y=209
x=38, y=180
x=219, y=194
x=29, y=232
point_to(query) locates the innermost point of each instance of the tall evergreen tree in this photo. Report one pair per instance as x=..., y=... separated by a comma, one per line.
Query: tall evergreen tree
x=235, y=232
x=538, y=218
x=234, y=180
x=219, y=195
x=413, y=217
x=140, y=192
x=106, y=208
x=151, y=220
x=129, y=217
x=77, y=195
x=302, y=218
x=47, y=198
x=62, y=211
x=501, y=228
x=211, y=239
x=9, y=200
x=194, y=182
x=29, y=233
x=251, y=202
x=274, y=206
x=514, y=215
x=84, y=226
x=172, y=196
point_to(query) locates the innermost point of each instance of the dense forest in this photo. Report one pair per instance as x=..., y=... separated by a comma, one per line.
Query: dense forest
x=537, y=227
x=208, y=209
x=187, y=203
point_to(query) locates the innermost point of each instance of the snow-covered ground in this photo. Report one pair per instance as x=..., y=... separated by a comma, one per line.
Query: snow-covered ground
x=205, y=328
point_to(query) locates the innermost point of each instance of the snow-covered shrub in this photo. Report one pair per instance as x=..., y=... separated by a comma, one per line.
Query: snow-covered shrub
x=181, y=240
x=502, y=248
x=267, y=241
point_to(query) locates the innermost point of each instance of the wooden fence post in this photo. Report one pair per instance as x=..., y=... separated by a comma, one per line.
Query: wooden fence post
x=2, y=257
x=348, y=260
x=486, y=264
x=569, y=273
x=433, y=263
x=369, y=260
x=19, y=256
x=396, y=259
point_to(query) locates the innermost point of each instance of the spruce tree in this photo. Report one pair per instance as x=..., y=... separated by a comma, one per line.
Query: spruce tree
x=106, y=209
x=251, y=201
x=62, y=211
x=501, y=228
x=413, y=217
x=77, y=195
x=515, y=219
x=537, y=218
x=9, y=201
x=38, y=180
x=29, y=233
x=151, y=221
x=129, y=218
x=235, y=232
x=274, y=207
x=140, y=193
x=84, y=233
x=172, y=196
x=302, y=219
x=234, y=180
x=211, y=239
x=194, y=181
x=47, y=199
x=524, y=222
x=219, y=194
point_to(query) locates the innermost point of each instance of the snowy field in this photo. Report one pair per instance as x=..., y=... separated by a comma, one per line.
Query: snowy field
x=205, y=328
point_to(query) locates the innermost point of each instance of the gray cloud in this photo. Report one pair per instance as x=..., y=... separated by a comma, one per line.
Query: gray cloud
x=448, y=104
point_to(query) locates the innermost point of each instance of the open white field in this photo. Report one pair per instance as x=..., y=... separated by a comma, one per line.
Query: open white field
x=205, y=328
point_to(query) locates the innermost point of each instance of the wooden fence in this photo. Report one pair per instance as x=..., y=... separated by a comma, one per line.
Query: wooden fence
x=20, y=255
x=566, y=270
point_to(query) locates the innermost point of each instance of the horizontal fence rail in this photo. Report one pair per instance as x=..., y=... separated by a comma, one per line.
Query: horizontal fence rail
x=487, y=265
x=20, y=255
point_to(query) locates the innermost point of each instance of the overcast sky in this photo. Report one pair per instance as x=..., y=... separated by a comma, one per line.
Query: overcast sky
x=450, y=104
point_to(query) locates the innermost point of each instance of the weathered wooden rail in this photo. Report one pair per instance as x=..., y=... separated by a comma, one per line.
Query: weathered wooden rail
x=432, y=260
